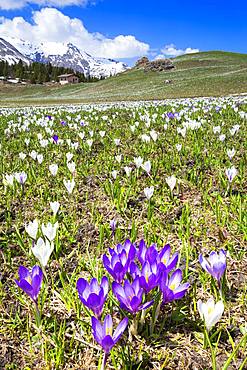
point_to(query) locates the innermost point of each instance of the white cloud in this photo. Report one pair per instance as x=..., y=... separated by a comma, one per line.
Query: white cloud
x=18, y=4
x=51, y=25
x=171, y=51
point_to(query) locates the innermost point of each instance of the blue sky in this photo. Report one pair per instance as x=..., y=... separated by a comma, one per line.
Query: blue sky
x=203, y=25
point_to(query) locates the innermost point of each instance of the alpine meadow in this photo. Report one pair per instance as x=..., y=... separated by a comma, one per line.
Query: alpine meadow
x=123, y=210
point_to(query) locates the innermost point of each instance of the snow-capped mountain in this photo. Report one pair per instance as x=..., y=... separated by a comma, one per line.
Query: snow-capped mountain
x=10, y=54
x=68, y=56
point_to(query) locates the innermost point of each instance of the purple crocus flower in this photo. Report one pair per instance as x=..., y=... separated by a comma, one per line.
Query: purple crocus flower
x=63, y=123
x=113, y=225
x=171, y=288
x=117, y=265
x=145, y=253
x=170, y=115
x=103, y=334
x=93, y=295
x=151, y=255
x=149, y=276
x=130, y=296
x=215, y=265
x=30, y=282
x=166, y=259
x=55, y=138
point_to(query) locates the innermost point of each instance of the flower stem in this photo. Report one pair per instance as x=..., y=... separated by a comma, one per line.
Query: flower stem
x=133, y=328
x=155, y=318
x=37, y=315
x=207, y=339
x=104, y=361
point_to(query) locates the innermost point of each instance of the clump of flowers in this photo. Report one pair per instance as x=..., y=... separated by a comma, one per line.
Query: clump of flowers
x=139, y=272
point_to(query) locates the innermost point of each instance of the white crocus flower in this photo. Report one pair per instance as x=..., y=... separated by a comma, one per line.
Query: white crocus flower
x=231, y=173
x=118, y=158
x=178, y=147
x=147, y=166
x=181, y=131
x=50, y=230
x=153, y=135
x=171, y=182
x=127, y=170
x=71, y=166
x=149, y=192
x=89, y=142
x=216, y=129
x=40, y=158
x=210, y=312
x=27, y=141
x=42, y=251
x=53, y=168
x=81, y=135
x=102, y=134
x=69, y=184
x=145, y=138
x=114, y=174
x=231, y=153
x=22, y=156
x=222, y=137
x=33, y=154
x=69, y=156
x=32, y=229
x=138, y=161
x=234, y=129
x=117, y=142
x=21, y=177
x=54, y=207
x=8, y=180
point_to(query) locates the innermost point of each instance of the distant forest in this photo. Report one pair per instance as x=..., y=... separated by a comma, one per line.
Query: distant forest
x=38, y=73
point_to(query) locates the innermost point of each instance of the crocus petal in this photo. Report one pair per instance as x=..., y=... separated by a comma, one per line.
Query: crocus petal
x=107, y=326
x=181, y=291
x=128, y=289
x=200, y=308
x=36, y=284
x=135, y=304
x=218, y=311
x=107, y=343
x=36, y=270
x=23, y=272
x=146, y=305
x=97, y=330
x=118, y=289
x=26, y=287
x=167, y=295
x=83, y=288
x=204, y=263
x=94, y=286
x=106, y=261
x=165, y=254
x=172, y=262
x=93, y=301
x=175, y=279
x=105, y=285
x=120, y=329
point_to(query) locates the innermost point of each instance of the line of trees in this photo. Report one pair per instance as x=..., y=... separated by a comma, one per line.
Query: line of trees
x=38, y=73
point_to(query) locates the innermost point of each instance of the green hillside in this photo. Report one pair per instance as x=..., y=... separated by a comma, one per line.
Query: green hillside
x=212, y=73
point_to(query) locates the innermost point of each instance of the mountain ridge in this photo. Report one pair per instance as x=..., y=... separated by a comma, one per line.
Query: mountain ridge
x=63, y=55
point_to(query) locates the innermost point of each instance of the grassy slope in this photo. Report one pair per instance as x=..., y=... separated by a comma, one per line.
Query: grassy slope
x=202, y=74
